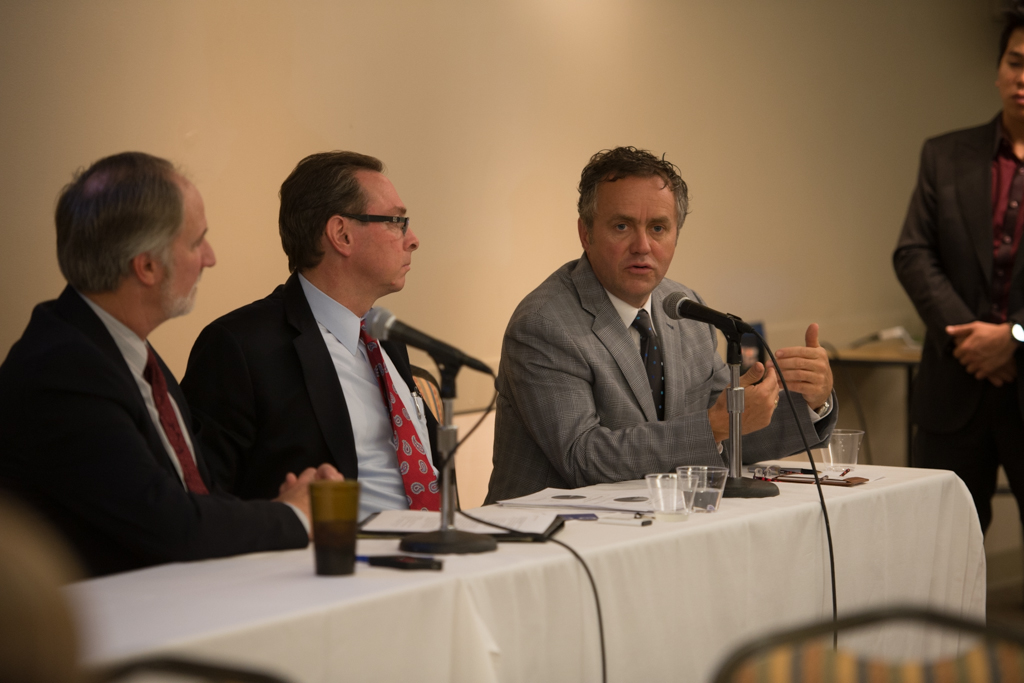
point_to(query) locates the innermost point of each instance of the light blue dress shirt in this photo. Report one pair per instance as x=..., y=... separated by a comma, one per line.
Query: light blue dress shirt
x=381, y=486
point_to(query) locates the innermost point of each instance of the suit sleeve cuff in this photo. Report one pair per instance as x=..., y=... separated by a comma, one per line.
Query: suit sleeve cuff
x=302, y=517
x=818, y=417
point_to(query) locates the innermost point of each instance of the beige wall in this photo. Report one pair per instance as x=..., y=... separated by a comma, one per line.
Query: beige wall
x=796, y=124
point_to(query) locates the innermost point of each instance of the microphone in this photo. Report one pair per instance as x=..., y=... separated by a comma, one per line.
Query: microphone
x=679, y=306
x=382, y=324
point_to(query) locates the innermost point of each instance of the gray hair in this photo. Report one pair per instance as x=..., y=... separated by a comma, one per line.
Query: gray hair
x=121, y=206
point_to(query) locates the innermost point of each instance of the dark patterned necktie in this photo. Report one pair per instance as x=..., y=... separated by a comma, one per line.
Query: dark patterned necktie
x=169, y=422
x=651, y=355
x=418, y=477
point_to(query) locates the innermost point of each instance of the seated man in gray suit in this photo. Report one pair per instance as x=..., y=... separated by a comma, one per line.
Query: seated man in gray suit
x=576, y=405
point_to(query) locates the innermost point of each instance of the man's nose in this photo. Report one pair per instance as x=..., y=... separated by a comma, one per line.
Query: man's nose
x=209, y=258
x=412, y=243
x=641, y=243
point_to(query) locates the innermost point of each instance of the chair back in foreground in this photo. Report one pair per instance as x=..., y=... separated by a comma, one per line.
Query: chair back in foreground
x=964, y=652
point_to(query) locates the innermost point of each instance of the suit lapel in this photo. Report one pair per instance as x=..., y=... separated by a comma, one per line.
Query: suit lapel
x=321, y=380
x=974, y=193
x=72, y=308
x=613, y=334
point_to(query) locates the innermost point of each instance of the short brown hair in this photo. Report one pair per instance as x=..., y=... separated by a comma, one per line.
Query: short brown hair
x=321, y=186
x=121, y=206
x=610, y=165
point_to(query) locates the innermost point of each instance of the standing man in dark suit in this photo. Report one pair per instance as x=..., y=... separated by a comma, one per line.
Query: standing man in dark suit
x=288, y=381
x=94, y=430
x=597, y=385
x=959, y=259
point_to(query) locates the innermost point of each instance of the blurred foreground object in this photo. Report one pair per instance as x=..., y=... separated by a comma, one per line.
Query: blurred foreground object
x=37, y=632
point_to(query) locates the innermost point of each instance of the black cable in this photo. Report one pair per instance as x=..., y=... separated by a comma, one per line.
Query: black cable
x=487, y=411
x=851, y=389
x=817, y=483
x=593, y=585
x=538, y=537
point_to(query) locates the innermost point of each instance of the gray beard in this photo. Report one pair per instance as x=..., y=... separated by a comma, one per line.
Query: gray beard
x=178, y=306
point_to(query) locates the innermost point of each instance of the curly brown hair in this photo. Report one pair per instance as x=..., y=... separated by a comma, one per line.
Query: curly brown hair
x=610, y=165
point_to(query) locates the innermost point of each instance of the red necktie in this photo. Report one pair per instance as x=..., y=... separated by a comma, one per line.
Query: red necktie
x=169, y=422
x=417, y=474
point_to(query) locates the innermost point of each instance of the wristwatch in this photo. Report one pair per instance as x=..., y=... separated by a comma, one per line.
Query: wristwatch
x=823, y=410
x=1018, y=332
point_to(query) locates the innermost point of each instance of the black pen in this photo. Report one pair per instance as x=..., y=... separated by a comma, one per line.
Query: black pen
x=401, y=561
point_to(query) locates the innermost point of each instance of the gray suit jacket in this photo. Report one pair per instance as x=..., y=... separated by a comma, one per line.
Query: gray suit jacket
x=575, y=407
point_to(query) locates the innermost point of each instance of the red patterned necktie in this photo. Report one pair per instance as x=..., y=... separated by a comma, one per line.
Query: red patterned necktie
x=417, y=475
x=169, y=421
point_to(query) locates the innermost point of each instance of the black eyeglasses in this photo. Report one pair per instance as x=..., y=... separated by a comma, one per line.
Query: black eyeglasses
x=401, y=221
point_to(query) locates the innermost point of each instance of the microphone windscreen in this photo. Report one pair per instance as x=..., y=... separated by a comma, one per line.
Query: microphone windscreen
x=379, y=322
x=671, y=304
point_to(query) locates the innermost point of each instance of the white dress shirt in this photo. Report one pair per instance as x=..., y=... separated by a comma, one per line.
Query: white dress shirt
x=136, y=354
x=381, y=486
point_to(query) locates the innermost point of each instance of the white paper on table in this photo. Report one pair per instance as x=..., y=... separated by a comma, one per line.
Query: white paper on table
x=415, y=521
x=619, y=499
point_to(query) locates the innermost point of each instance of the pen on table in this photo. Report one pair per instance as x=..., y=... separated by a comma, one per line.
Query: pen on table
x=625, y=522
x=846, y=471
x=401, y=561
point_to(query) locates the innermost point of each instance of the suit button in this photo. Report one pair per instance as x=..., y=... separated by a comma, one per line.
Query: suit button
x=1013, y=205
x=1007, y=239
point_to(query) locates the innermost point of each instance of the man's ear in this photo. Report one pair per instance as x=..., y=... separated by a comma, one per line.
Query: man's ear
x=148, y=269
x=338, y=235
x=584, y=234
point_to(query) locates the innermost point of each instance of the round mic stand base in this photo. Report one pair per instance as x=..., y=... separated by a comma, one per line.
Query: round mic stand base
x=740, y=487
x=448, y=542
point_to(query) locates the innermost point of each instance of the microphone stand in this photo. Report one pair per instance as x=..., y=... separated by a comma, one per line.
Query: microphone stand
x=736, y=486
x=447, y=540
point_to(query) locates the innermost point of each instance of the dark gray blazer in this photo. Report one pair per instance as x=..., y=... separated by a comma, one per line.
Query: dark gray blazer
x=575, y=407
x=944, y=261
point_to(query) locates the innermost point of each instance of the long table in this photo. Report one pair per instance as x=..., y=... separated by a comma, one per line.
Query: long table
x=676, y=597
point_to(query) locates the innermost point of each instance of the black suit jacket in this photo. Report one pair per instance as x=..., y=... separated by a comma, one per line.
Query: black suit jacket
x=262, y=384
x=77, y=441
x=944, y=261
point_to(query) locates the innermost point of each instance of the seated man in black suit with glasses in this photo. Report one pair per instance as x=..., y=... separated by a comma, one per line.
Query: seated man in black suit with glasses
x=291, y=381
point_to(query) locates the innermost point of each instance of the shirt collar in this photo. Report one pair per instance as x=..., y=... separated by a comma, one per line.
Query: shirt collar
x=626, y=311
x=133, y=348
x=339, y=321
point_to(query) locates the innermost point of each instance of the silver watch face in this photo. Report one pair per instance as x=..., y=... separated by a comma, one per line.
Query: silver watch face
x=1018, y=332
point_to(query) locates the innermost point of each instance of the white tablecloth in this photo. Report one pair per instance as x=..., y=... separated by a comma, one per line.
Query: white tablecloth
x=676, y=597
